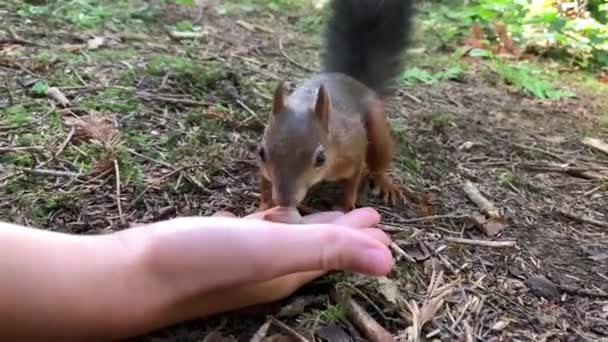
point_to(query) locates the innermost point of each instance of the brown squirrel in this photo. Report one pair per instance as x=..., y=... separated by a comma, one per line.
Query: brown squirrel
x=333, y=126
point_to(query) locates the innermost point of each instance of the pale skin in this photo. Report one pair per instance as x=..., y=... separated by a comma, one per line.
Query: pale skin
x=58, y=286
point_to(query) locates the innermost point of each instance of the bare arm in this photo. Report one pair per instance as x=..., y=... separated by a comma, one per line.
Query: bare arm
x=64, y=287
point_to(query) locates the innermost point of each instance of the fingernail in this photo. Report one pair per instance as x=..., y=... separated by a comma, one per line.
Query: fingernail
x=378, y=261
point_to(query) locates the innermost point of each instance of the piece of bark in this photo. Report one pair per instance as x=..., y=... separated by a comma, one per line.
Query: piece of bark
x=489, y=225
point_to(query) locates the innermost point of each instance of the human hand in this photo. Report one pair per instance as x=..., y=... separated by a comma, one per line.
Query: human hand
x=204, y=254
x=248, y=295
x=339, y=251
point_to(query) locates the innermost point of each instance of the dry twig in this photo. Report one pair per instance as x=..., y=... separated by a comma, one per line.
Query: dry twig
x=581, y=219
x=118, y=202
x=262, y=331
x=402, y=253
x=297, y=336
x=368, y=326
x=291, y=60
x=595, y=144
x=476, y=197
x=480, y=243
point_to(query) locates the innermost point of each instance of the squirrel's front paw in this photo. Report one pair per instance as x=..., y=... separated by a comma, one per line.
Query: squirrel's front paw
x=390, y=192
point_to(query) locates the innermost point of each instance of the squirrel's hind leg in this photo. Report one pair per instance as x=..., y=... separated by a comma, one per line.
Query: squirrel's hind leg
x=380, y=153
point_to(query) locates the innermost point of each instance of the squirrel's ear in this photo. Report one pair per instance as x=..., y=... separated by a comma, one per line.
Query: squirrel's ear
x=322, y=107
x=278, y=100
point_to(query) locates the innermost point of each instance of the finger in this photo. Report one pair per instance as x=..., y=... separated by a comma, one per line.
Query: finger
x=327, y=247
x=223, y=213
x=378, y=234
x=322, y=217
x=359, y=218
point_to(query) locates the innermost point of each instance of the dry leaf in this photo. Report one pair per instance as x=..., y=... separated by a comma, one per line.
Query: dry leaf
x=94, y=128
x=389, y=290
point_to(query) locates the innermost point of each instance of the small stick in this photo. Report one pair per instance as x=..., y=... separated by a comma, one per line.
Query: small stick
x=434, y=217
x=186, y=35
x=595, y=144
x=118, y=204
x=366, y=324
x=290, y=59
x=38, y=149
x=582, y=292
x=403, y=253
x=476, y=197
x=297, y=336
x=480, y=243
x=586, y=220
x=262, y=331
x=48, y=172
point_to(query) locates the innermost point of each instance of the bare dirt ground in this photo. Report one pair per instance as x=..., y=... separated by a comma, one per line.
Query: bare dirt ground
x=177, y=120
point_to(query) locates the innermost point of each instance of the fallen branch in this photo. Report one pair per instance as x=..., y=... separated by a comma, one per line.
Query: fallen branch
x=490, y=221
x=578, y=172
x=297, y=336
x=402, y=253
x=47, y=172
x=362, y=320
x=576, y=291
x=481, y=243
x=8, y=149
x=476, y=197
x=581, y=219
x=595, y=144
x=186, y=35
x=262, y=331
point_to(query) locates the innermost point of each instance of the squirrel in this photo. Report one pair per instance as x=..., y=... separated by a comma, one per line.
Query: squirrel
x=333, y=126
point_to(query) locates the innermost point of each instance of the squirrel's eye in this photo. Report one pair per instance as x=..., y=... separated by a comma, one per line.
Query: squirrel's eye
x=262, y=154
x=320, y=159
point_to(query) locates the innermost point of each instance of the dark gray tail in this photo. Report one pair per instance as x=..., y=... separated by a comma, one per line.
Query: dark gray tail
x=366, y=39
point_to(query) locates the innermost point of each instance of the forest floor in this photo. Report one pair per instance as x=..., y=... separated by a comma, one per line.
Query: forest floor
x=178, y=120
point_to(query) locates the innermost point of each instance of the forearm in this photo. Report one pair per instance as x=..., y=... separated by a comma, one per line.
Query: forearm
x=60, y=286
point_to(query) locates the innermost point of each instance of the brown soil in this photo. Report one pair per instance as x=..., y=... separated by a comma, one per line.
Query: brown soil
x=514, y=149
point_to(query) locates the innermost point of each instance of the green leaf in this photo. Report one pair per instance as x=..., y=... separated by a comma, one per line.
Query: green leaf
x=184, y=26
x=40, y=88
x=476, y=52
x=184, y=2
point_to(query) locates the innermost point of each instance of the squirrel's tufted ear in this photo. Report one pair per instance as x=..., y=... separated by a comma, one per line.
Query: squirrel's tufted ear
x=322, y=107
x=278, y=101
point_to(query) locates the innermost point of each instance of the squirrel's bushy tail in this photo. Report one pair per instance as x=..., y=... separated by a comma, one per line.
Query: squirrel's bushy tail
x=365, y=39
